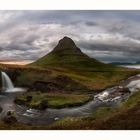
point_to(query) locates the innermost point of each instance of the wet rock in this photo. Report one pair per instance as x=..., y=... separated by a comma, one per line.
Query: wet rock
x=56, y=118
x=10, y=117
x=11, y=113
x=124, y=90
x=40, y=106
x=120, y=91
x=43, y=105
x=1, y=109
x=29, y=98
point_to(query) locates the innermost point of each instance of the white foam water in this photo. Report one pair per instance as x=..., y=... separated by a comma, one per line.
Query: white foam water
x=8, y=86
x=134, y=85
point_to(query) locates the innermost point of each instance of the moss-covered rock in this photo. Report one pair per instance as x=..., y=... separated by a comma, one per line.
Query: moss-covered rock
x=52, y=100
x=10, y=117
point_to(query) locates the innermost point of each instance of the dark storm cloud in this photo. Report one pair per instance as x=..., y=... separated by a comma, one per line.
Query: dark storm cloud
x=90, y=23
x=106, y=35
x=111, y=52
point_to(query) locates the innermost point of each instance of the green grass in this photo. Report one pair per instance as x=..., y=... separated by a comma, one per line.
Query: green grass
x=94, y=80
x=72, y=60
x=54, y=100
x=131, y=102
x=104, y=118
x=120, y=117
x=68, y=56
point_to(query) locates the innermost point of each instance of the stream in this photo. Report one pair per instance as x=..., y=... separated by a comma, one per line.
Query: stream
x=109, y=97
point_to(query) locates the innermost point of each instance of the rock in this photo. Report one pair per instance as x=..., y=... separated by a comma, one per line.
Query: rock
x=45, y=86
x=9, y=113
x=43, y=105
x=56, y=118
x=1, y=109
x=124, y=90
x=57, y=84
x=10, y=117
x=29, y=98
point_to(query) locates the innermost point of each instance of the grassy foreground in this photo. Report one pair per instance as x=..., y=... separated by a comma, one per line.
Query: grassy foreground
x=125, y=116
x=40, y=100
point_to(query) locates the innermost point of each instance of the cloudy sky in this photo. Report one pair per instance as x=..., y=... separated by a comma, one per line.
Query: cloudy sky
x=105, y=35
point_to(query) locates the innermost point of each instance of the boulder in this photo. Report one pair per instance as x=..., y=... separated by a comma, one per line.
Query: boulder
x=1, y=109
x=43, y=105
x=126, y=90
x=10, y=117
x=29, y=98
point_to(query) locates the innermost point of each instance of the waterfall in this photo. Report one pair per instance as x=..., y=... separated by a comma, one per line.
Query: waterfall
x=6, y=82
x=7, y=85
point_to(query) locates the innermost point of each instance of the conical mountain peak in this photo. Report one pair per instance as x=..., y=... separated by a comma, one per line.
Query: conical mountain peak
x=66, y=54
x=66, y=39
x=66, y=43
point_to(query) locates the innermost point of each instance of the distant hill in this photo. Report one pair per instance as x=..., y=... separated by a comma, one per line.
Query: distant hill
x=138, y=62
x=67, y=55
x=122, y=63
x=126, y=63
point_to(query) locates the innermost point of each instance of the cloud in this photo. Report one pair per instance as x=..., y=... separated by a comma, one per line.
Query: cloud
x=105, y=35
x=90, y=23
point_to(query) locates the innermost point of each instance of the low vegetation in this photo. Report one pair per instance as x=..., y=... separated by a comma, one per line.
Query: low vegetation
x=125, y=116
x=40, y=100
x=93, y=80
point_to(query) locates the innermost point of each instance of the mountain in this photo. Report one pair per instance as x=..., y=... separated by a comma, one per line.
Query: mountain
x=67, y=55
x=137, y=62
x=122, y=63
x=126, y=63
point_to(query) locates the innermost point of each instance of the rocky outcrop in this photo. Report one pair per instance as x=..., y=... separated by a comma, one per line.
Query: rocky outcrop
x=56, y=84
x=45, y=86
x=43, y=105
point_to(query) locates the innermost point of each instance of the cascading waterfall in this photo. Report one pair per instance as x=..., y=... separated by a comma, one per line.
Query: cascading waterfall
x=8, y=86
x=6, y=82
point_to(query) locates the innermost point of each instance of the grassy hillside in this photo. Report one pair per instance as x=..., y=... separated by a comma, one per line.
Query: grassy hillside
x=68, y=62
x=67, y=55
x=95, y=80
